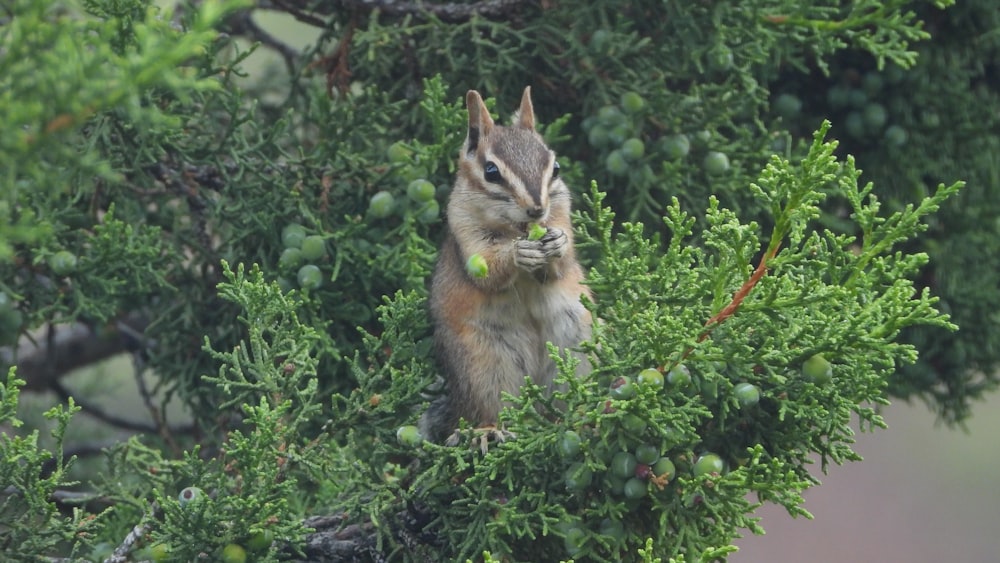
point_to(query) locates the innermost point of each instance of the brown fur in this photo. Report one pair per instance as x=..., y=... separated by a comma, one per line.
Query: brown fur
x=491, y=332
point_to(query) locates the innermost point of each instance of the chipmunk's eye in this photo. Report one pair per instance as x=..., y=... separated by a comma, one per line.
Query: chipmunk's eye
x=555, y=170
x=491, y=172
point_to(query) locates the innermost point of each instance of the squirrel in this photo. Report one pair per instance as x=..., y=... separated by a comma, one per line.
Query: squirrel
x=491, y=327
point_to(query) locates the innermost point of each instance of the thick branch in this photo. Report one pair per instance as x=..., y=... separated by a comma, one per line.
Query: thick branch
x=42, y=361
x=446, y=12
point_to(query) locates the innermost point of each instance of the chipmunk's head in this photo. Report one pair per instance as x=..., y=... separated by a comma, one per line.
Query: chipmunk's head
x=510, y=165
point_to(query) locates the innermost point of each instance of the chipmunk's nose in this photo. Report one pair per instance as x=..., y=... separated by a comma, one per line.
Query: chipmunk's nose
x=535, y=212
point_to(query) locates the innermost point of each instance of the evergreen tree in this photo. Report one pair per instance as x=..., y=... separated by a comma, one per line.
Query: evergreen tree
x=259, y=246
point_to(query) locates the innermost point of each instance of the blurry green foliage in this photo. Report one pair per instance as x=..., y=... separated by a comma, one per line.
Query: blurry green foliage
x=729, y=245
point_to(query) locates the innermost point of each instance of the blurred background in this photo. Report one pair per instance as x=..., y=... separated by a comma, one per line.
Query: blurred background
x=924, y=493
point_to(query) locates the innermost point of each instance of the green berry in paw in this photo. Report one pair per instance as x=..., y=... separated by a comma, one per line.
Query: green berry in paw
x=476, y=266
x=708, y=464
x=536, y=231
x=409, y=436
x=817, y=370
x=420, y=190
x=747, y=394
x=632, y=102
x=382, y=205
x=313, y=247
x=716, y=163
x=616, y=163
x=633, y=149
x=293, y=235
x=310, y=277
x=63, y=263
x=650, y=377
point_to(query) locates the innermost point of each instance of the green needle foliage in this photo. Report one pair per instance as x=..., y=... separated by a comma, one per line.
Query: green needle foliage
x=259, y=242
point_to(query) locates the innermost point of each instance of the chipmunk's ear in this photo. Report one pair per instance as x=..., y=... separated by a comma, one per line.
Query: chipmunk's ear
x=525, y=116
x=480, y=122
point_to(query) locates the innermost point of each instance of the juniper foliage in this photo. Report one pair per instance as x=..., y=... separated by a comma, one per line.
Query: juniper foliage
x=160, y=202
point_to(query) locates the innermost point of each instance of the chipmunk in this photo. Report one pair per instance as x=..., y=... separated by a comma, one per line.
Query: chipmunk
x=491, y=328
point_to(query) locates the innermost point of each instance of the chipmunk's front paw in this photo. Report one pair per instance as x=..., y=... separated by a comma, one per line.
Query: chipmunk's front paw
x=481, y=437
x=533, y=254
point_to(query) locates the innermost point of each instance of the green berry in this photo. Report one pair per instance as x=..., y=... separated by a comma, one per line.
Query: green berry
x=650, y=377
x=857, y=98
x=234, y=553
x=838, y=96
x=635, y=488
x=578, y=477
x=872, y=83
x=189, y=495
x=290, y=259
x=619, y=134
x=747, y=394
x=62, y=263
x=708, y=464
x=633, y=423
x=632, y=102
x=310, y=277
x=623, y=465
x=477, y=267
x=260, y=541
x=703, y=137
x=664, y=468
x=610, y=116
x=720, y=58
x=429, y=212
x=398, y=152
x=293, y=235
x=599, y=40
x=676, y=146
x=381, y=205
x=817, y=370
x=574, y=540
x=409, y=436
x=420, y=190
x=647, y=454
x=680, y=376
x=569, y=444
x=612, y=529
x=787, y=105
x=875, y=116
x=633, y=149
x=855, y=125
x=536, y=231
x=716, y=163
x=158, y=552
x=598, y=136
x=313, y=248
x=622, y=388
x=616, y=163
x=896, y=135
